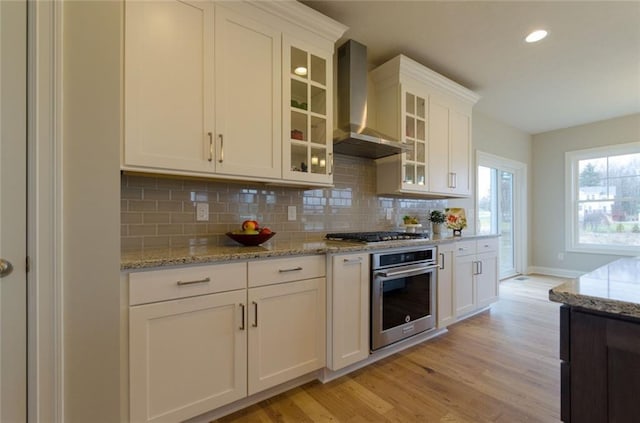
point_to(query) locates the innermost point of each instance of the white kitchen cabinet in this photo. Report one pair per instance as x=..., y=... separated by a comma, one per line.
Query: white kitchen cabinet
x=431, y=114
x=203, y=93
x=168, y=85
x=308, y=118
x=286, y=332
x=445, y=310
x=349, y=310
x=449, y=147
x=476, y=274
x=186, y=355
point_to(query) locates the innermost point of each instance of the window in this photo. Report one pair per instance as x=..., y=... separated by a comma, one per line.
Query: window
x=603, y=195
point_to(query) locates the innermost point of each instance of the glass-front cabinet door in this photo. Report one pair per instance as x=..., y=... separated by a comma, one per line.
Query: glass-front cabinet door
x=307, y=117
x=414, y=162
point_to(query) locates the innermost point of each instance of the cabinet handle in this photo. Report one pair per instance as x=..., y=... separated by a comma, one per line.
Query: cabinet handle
x=210, y=134
x=242, y=324
x=293, y=269
x=205, y=280
x=474, y=271
x=331, y=167
x=441, y=261
x=221, y=148
x=353, y=261
x=255, y=314
x=455, y=180
x=480, y=267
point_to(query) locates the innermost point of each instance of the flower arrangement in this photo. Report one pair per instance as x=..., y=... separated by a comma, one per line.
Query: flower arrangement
x=456, y=220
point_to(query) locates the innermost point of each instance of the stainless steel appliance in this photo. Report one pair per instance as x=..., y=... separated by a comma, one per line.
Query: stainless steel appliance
x=375, y=236
x=403, y=294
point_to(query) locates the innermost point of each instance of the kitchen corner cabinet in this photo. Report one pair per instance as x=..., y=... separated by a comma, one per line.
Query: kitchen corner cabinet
x=430, y=114
x=204, y=94
x=445, y=289
x=349, y=310
x=204, y=336
x=307, y=136
x=475, y=274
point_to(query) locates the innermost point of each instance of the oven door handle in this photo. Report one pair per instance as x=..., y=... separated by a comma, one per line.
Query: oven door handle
x=412, y=271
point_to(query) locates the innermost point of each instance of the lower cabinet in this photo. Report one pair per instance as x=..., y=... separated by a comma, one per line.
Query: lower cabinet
x=445, y=310
x=193, y=349
x=349, y=303
x=476, y=274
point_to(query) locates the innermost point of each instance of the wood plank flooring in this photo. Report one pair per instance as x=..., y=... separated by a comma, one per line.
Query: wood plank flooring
x=499, y=366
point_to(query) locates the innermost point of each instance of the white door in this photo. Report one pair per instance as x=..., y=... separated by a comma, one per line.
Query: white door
x=13, y=246
x=501, y=209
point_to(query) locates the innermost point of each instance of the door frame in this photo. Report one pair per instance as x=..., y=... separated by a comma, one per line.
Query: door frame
x=45, y=395
x=520, y=196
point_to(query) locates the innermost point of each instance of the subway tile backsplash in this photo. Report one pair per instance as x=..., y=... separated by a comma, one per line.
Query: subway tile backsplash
x=160, y=212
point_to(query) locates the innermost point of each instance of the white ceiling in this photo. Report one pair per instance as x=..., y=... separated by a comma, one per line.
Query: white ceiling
x=587, y=69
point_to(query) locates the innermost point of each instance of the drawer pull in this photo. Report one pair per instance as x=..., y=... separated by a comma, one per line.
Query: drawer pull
x=293, y=269
x=353, y=261
x=255, y=314
x=205, y=280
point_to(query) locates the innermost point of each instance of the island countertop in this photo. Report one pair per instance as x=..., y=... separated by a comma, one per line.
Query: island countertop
x=613, y=288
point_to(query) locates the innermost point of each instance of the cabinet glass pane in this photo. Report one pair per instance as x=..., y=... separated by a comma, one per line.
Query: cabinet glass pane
x=420, y=175
x=299, y=95
x=420, y=152
x=299, y=158
x=420, y=132
x=420, y=107
x=299, y=63
x=319, y=160
x=318, y=70
x=319, y=100
x=410, y=127
x=410, y=103
x=298, y=126
x=318, y=130
x=409, y=177
x=411, y=153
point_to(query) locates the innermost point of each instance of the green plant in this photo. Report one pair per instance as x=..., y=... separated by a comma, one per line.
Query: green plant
x=635, y=229
x=437, y=216
x=620, y=227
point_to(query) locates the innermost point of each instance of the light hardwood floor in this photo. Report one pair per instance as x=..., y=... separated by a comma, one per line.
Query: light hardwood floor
x=499, y=366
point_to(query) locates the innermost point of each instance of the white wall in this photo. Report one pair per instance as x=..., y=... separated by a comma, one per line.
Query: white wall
x=548, y=206
x=91, y=200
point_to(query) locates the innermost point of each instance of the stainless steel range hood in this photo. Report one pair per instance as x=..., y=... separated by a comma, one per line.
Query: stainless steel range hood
x=352, y=136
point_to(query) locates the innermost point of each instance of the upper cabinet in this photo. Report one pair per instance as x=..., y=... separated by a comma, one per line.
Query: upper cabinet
x=211, y=89
x=433, y=116
x=307, y=139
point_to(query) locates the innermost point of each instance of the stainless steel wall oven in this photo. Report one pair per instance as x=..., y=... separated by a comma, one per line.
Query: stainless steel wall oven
x=403, y=294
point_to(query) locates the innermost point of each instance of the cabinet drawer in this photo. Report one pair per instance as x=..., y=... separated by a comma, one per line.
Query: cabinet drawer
x=266, y=272
x=162, y=285
x=464, y=248
x=487, y=245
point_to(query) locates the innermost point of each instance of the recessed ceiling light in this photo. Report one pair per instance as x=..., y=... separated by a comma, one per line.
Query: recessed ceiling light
x=300, y=70
x=536, y=36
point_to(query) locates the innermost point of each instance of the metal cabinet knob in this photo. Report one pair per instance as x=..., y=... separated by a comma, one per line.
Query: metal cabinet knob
x=5, y=268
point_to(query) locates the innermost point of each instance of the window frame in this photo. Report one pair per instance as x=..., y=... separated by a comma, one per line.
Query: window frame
x=572, y=180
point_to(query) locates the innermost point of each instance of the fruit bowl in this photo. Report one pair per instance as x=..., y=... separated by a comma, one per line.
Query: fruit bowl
x=250, y=240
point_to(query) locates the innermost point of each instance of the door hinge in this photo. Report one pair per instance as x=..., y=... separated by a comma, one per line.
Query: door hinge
x=28, y=264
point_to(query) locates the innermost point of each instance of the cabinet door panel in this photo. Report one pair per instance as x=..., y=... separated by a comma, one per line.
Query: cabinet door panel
x=350, y=308
x=464, y=286
x=460, y=152
x=186, y=356
x=446, y=304
x=248, y=96
x=286, y=332
x=487, y=279
x=167, y=46
x=438, y=145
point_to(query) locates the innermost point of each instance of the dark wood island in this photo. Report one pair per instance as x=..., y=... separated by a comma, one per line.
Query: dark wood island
x=600, y=344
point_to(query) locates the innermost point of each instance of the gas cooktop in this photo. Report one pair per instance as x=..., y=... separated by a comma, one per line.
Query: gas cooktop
x=375, y=236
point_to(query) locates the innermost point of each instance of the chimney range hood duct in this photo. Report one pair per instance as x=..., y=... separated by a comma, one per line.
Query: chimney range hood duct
x=352, y=136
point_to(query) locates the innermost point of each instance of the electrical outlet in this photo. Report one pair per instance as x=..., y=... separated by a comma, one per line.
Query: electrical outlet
x=291, y=212
x=202, y=212
x=561, y=256
x=389, y=214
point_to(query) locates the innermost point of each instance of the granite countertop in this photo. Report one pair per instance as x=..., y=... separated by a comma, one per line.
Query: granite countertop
x=202, y=254
x=613, y=288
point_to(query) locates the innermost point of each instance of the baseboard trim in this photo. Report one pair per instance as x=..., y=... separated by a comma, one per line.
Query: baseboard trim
x=550, y=271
